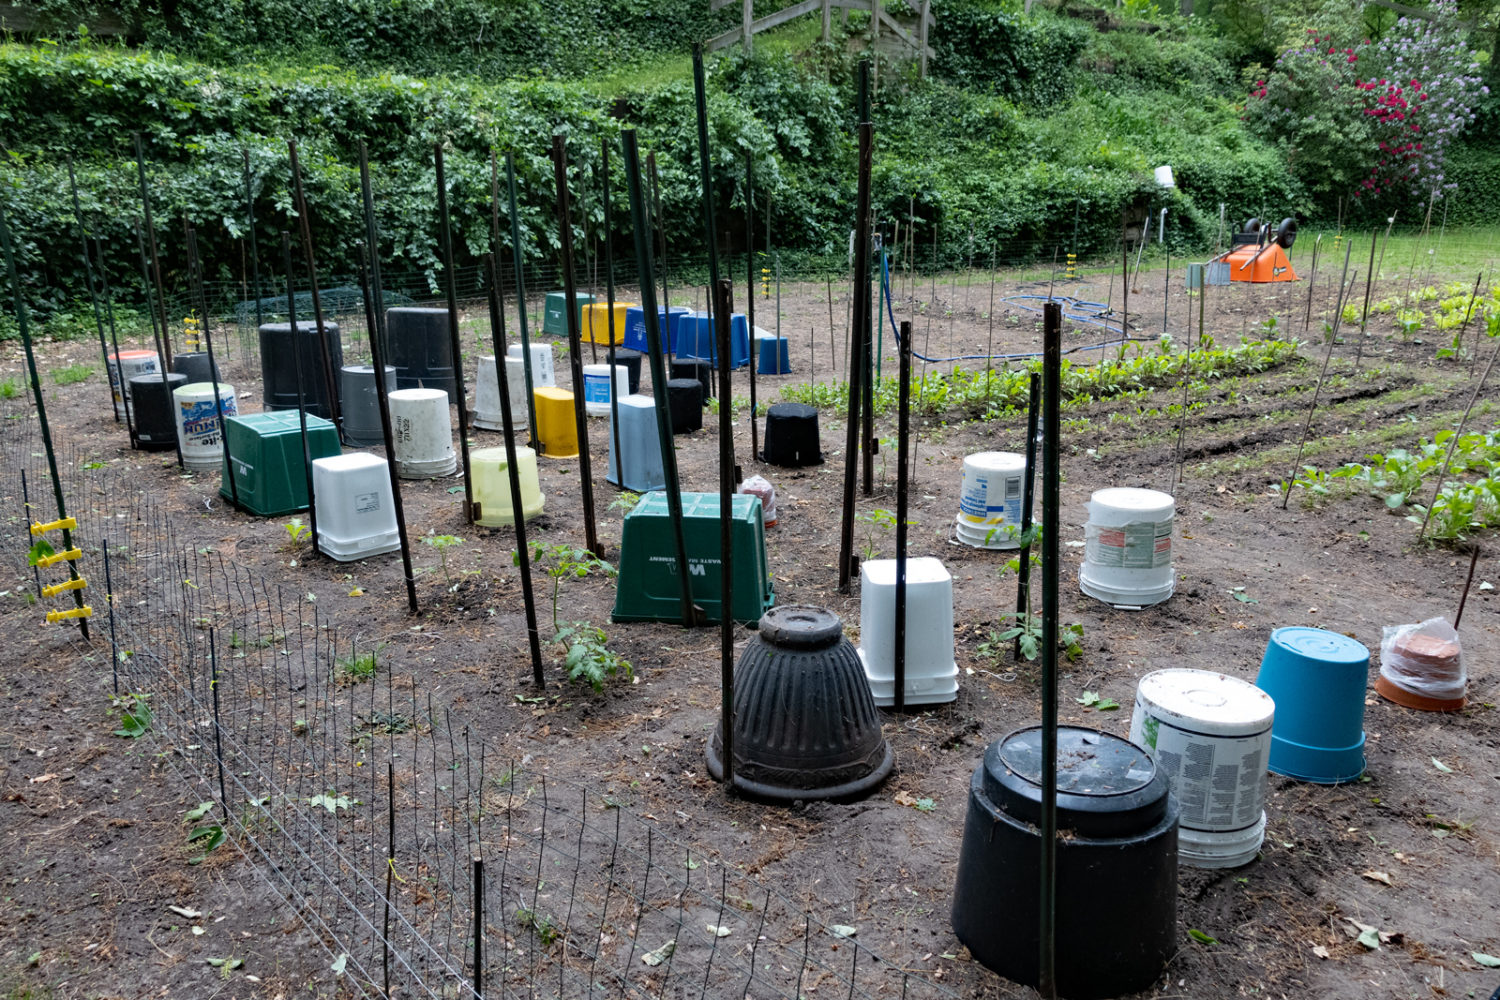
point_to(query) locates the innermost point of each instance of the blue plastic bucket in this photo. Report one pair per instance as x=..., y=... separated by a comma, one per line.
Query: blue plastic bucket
x=1317, y=679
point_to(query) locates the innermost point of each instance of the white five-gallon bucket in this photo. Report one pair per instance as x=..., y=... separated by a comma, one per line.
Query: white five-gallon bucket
x=931, y=671
x=125, y=366
x=487, y=415
x=197, y=419
x=989, y=500
x=596, y=388
x=423, y=430
x=542, y=369
x=1128, y=547
x=1211, y=736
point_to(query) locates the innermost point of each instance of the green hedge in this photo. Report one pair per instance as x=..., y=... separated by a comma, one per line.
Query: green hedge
x=1029, y=59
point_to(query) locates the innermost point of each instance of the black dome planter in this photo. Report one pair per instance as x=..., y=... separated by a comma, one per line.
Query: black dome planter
x=805, y=724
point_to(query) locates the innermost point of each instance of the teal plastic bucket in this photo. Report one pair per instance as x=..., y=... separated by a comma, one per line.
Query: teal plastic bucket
x=1317, y=679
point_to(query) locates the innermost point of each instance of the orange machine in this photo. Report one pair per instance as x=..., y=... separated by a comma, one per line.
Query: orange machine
x=1259, y=253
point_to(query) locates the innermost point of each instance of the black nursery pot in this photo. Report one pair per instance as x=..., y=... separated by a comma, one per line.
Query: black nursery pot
x=421, y=348
x=805, y=724
x=1116, y=864
x=792, y=436
x=278, y=365
x=152, y=403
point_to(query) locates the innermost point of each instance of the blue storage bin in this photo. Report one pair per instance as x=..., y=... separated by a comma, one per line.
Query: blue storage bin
x=635, y=326
x=695, y=339
x=774, y=357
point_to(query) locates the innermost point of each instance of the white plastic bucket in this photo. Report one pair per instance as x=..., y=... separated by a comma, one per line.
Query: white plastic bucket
x=1128, y=547
x=542, y=369
x=356, y=512
x=423, y=430
x=989, y=500
x=1210, y=735
x=198, y=430
x=931, y=671
x=125, y=366
x=596, y=388
x=487, y=415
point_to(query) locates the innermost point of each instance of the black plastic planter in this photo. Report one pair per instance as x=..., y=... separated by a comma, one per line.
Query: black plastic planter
x=792, y=436
x=1116, y=864
x=684, y=404
x=632, y=362
x=421, y=349
x=805, y=724
x=155, y=422
x=278, y=366
x=194, y=364
x=696, y=370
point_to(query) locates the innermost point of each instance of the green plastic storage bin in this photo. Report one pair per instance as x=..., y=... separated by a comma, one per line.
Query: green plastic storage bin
x=647, y=587
x=554, y=320
x=266, y=449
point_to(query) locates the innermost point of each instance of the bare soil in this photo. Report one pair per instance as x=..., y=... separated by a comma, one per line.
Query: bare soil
x=93, y=829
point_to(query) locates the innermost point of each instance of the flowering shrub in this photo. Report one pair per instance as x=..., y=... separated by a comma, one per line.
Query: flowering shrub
x=1376, y=118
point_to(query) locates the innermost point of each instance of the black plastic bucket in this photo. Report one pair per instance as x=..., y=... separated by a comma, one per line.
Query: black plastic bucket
x=421, y=348
x=1116, y=864
x=153, y=406
x=278, y=366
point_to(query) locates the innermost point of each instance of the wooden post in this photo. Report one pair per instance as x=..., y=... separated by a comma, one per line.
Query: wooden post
x=827, y=21
x=874, y=22
x=747, y=19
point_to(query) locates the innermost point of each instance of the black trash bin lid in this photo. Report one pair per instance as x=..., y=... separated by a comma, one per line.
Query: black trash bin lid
x=1106, y=786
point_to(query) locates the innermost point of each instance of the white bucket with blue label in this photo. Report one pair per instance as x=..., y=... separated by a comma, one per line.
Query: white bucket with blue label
x=198, y=429
x=596, y=388
x=989, y=500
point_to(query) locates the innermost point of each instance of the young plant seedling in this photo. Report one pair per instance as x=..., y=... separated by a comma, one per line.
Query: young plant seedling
x=443, y=543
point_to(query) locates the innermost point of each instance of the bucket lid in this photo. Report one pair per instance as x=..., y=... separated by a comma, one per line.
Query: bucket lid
x=132, y=355
x=1320, y=644
x=1208, y=702
x=922, y=569
x=370, y=369
x=353, y=461
x=996, y=461
x=204, y=389
x=800, y=626
x=1134, y=500
x=1106, y=786
x=417, y=395
x=497, y=454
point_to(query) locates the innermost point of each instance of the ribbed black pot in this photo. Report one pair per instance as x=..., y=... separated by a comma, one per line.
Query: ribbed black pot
x=805, y=724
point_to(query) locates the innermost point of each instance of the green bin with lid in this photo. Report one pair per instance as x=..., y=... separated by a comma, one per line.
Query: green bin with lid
x=266, y=452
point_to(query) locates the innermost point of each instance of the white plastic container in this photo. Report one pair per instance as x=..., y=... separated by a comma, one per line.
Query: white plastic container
x=931, y=671
x=1210, y=735
x=1164, y=178
x=198, y=430
x=989, y=500
x=1128, y=548
x=596, y=388
x=423, y=430
x=543, y=372
x=356, y=512
x=487, y=414
x=125, y=366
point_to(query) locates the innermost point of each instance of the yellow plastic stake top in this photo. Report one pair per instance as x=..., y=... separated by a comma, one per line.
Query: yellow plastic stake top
x=56, y=616
x=73, y=553
x=58, y=588
x=66, y=524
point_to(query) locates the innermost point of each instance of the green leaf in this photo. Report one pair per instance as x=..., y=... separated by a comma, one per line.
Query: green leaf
x=41, y=550
x=198, y=812
x=925, y=805
x=1488, y=961
x=1441, y=766
x=1370, y=938
x=1201, y=937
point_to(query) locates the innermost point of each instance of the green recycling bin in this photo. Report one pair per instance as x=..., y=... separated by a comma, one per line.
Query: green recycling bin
x=266, y=449
x=555, y=320
x=647, y=589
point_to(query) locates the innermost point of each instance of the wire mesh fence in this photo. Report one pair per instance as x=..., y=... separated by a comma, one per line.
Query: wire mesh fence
x=425, y=859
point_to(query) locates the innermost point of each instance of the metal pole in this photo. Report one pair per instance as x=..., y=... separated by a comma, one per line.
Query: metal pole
x=375, y=325
x=450, y=288
x=641, y=223
x=114, y=336
x=1028, y=496
x=291, y=319
x=513, y=473
x=254, y=250
x=609, y=304
x=705, y=172
x=329, y=379
x=903, y=431
x=518, y=262
x=1051, y=511
x=195, y=264
x=857, y=363
x=213, y=686
x=159, y=337
x=723, y=310
x=22, y=322
x=109, y=601
x=1364, y=314
x=575, y=346
x=150, y=227
x=750, y=297
x=88, y=272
